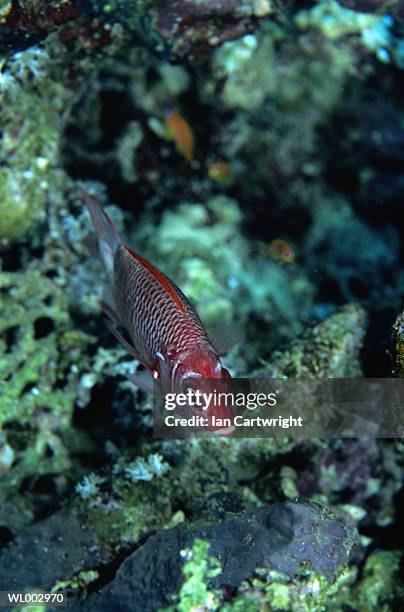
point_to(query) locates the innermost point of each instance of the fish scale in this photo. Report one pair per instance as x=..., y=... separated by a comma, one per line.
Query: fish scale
x=165, y=329
x=156, y=321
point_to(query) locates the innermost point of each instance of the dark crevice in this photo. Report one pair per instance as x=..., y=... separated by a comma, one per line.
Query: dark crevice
x=6, y=536
x=107, y=572
x=390, y=537
x=43, y=327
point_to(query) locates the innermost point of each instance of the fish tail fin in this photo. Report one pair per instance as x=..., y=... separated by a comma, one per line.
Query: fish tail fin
x=107, y=236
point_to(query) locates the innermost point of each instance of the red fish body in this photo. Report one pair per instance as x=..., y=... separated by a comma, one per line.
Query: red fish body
x=170, y=338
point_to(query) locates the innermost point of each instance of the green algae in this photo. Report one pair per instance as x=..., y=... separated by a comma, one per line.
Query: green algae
x=123, y=516
x=268, y=590
x=331, y=349
x=28, y=360
x=199, y=566
x=37, y=395
x=123, y=504
x=375, y=587
x=79, y=581
x=272, y=590
x=378, y=586
x=47, y=368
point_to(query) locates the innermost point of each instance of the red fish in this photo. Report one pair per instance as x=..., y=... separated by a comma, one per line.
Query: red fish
x=170, y=338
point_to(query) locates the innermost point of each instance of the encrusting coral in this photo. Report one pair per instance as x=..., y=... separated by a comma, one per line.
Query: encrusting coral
x=33, y=101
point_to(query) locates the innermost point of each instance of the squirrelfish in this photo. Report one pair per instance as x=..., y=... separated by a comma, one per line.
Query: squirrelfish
x=281, y=251
x=167, y=336
x=179, y=130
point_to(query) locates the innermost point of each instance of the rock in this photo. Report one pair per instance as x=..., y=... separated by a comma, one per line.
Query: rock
x=285, y=537
x=192, y=27
x=25, y=23
x=54, y=548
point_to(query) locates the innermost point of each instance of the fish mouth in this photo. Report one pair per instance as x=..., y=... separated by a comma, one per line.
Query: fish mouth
x=224, y=431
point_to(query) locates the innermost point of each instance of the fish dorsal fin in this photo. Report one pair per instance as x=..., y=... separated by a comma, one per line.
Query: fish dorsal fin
x=159, y=277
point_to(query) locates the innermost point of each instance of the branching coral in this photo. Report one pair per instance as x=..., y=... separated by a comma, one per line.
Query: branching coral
x=140, y=469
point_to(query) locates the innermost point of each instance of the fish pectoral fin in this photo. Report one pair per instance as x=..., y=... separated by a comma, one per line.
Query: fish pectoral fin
x=224, y=337
x=128, y=347
x=164, y=373
x=161, y=375
x=108, y=306
x=143, y=380
x=91, y=243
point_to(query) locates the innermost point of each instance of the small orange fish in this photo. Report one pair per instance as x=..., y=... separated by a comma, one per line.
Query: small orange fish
x=181, y=133
x=219, y=171
x=281, y=251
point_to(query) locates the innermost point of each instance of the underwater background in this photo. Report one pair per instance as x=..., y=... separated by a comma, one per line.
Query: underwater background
x=254, y=152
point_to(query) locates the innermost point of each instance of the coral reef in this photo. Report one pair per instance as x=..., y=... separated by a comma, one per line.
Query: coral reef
x=331, y=349
x=23, y=22
x=294, y=113
x=191, y=27
x=32, y=104
x=201, y=247
x=336, y=21
x=36, y=408
x=185, y=29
